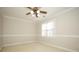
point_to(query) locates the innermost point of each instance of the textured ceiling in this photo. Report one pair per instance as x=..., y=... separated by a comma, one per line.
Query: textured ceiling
x=20, y=12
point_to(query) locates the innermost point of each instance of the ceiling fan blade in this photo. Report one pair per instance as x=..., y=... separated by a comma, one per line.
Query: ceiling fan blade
x=28, y=13
x=29, y=8
x=43, y=12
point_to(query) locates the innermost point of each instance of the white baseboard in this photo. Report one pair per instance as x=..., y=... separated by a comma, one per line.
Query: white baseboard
x=43, y=42
x=60, y=47
x=17, y=43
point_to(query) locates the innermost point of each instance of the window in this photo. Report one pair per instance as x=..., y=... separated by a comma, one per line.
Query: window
x=48, y=29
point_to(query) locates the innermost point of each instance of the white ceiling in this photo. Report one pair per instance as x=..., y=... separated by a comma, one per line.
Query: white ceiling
x=21, y=11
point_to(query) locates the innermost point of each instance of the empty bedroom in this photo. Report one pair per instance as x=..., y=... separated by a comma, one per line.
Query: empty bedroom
x=39, y=29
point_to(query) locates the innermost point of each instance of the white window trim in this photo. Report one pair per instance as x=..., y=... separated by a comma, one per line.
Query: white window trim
x=52, y=30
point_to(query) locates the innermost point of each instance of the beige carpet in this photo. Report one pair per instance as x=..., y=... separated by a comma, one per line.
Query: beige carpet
x=32, y=47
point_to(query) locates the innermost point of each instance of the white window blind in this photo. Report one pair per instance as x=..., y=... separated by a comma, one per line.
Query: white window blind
x=48, y=29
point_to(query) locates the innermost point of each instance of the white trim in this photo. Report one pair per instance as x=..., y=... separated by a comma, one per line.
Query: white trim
x=32, y=35
x=17, y=43
x=66, y=49
x=62, y=12
x=60, y=47
x=16, y=18
x=12, y=35
x=58, y=14
x=72, y=36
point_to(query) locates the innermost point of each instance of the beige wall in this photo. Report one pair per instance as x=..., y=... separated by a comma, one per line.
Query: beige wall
x=0, y=31
x=16, y=30
x=67, y=30
x=68, y=25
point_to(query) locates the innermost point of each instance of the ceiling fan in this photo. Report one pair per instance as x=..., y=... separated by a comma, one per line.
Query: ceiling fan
x=35, y=11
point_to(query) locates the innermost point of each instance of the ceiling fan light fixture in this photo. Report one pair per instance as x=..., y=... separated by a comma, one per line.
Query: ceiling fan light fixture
x=33, y=15
x=38, y=11
x=35, y=12
x=32, y=12
x=38, y=15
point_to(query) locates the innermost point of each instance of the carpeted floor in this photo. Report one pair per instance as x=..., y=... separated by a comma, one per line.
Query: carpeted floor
x=32, y=47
